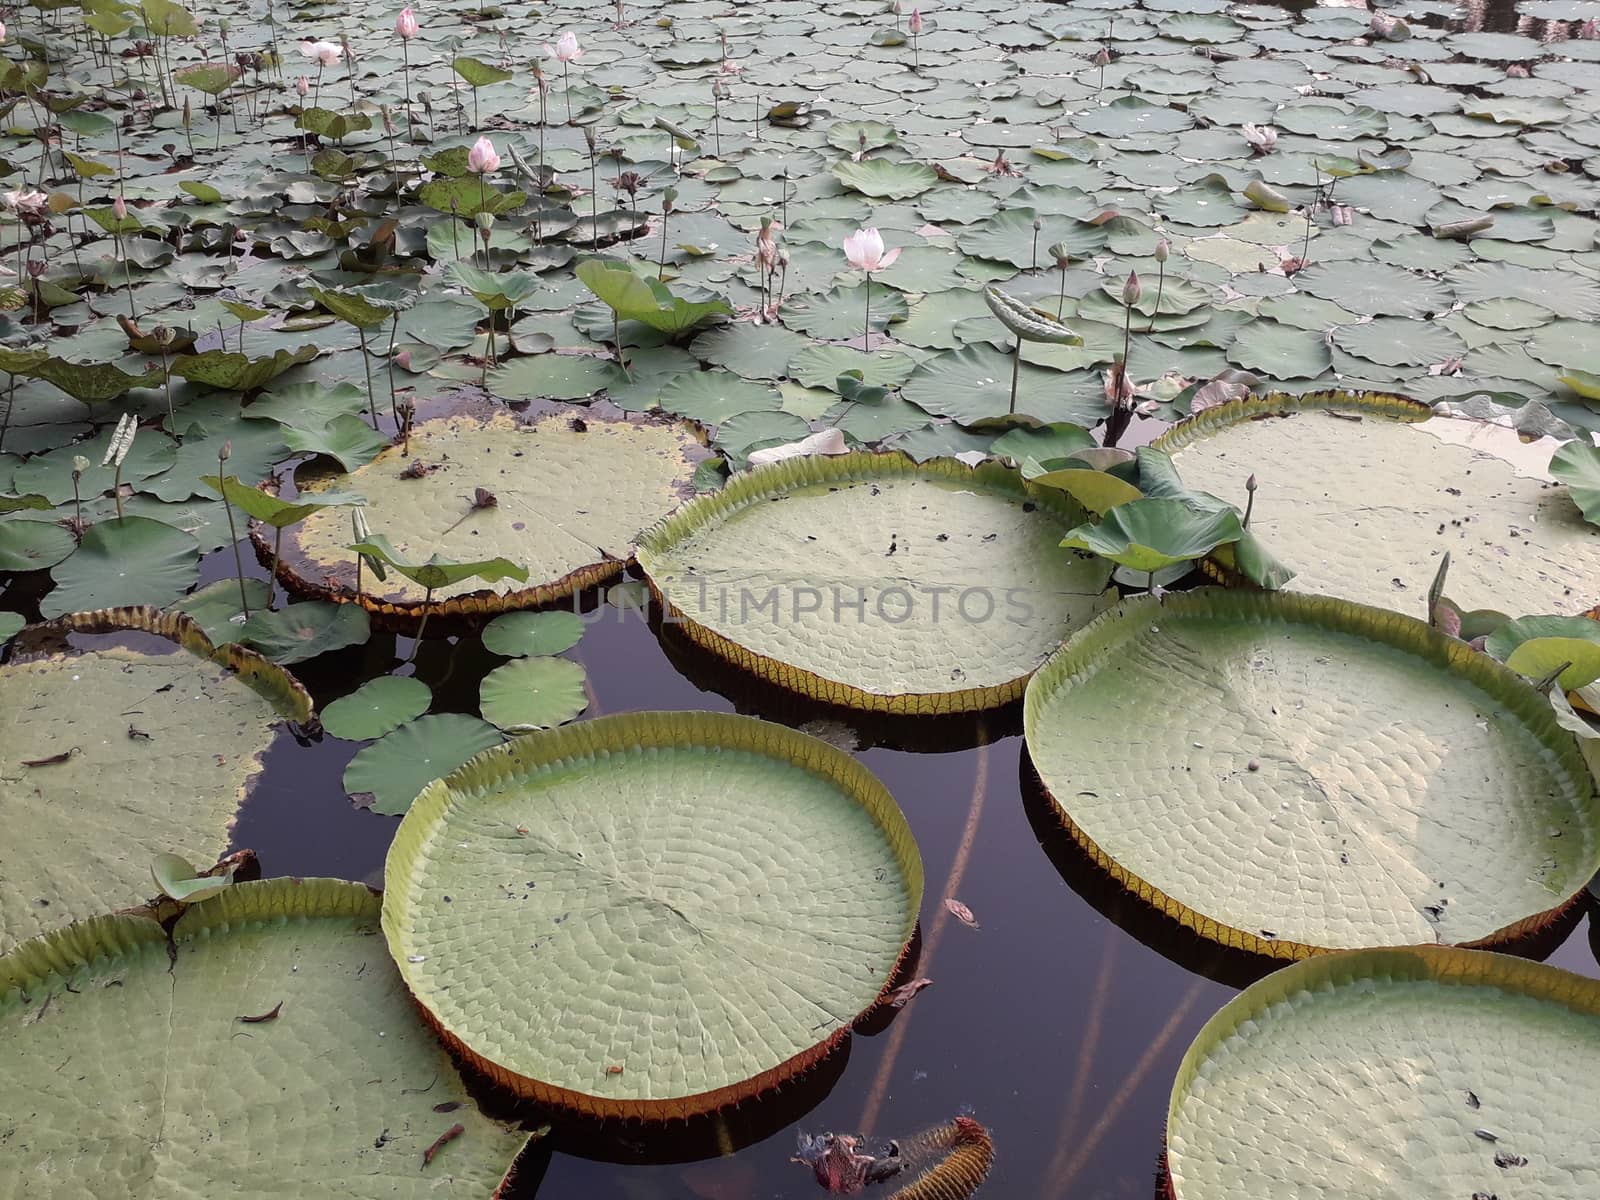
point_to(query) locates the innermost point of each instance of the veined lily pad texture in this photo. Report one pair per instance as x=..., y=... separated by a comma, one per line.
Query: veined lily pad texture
x=1288, y=774
x=113, y=755
x=871, y=581
x=1429, y=1073
x=654, y=914
x=1360, y=494
x=571, y=490
x=268, y=1049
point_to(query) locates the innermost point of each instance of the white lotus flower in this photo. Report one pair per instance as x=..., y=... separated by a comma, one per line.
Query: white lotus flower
x=566, y=49
x=864, y=250
x=325, y=53
x=1262, y=138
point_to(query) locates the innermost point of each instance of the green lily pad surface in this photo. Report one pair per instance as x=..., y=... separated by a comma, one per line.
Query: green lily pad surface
x=1312, y=774
x=532, y=693
x=376, y=707
x=871, y=581
x=1361, y=497
x=1424, y=1072
x=112, y=755
x=559, y=877
x=284, y=1011
x=570, y=494
x=387, y=775
x=532, y=633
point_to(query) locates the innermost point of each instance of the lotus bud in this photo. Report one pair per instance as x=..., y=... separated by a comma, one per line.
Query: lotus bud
x=388, y=121
x=1038, y=224
x=188, y=115
x=588, y=136
x=402, y=359
x=2, y=31
x=119, y=208
x=1102, y=57
x=80, y=464
x=405, y=25
x=1162, y=250
x=915, y=24
x=36, y=268
x=1250, y=483
x=302, y=86
x=1131, y=290
x=163, y=335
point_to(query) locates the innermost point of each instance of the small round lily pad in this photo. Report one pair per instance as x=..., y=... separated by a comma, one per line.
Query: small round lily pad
x=387, y=775
x=305, y=630
x=533, y=693
x=377, y=707
x=527, y=634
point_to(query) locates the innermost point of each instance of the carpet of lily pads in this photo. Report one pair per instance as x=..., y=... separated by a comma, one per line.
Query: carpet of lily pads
x=283, y=287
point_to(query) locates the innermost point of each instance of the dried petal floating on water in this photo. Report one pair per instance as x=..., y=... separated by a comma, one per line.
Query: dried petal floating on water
x=961, y=913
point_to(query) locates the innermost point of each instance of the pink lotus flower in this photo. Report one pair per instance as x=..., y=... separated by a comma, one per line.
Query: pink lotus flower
x=405, y=25
x=3, y=30
x=119, y=208
x=1589, y=31
x=482, y=159
x=324, y=53
x=864, y=250
x=1262, y=138
x=566, y=49
x=24, y=201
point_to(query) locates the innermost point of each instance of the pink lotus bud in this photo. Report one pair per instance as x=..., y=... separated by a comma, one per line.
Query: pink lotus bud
x=302, y=86
x=1131, y=290
x=1162, y=250
x=482, y=159
x=915, y=23
x=402, y=359
x=119, y=206
x=405, y=25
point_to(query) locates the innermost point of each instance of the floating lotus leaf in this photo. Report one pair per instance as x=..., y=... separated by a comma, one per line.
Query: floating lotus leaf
x=1577, y=464
x=885, y=178
x=1413, y=789
x=773, y=586
x=284, y=1012
x=1280, y=351
x=571, y=493
x=1397, y=342
x=216, y=607
x=91, y=383
x=34, y=545
x=305, y=630
x=1364, y=508
x=637, y=297
x=10, y=625
x=531, y=634
x=1473, y=1070
x=347, y=439
x=973, y=385
x=125, y=561
x=236, y=372
x=1147, y=535
x=376, y=707
x=160, y=749
x=387, y=775
x=605, y=867
x=532, y=693
x=1375, y=291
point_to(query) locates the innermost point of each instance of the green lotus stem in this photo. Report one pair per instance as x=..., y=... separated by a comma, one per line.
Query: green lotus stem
x=1161, y=282
x=316, y=96
x=866, y=326
x=661, y=263
x=405, y=73
x=594, y=194
x=422, y=626
x=277, y=556
x=166, y=384
x=5, y=421
x=1016, y=369
x=366, y=365
x=483, y=206
x=233, y=536
x=116, y=489
x=1061, y=298
x=566, y=88
x=394, y=334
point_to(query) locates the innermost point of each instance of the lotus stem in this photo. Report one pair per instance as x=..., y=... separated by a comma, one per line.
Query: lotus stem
x=233, y=536
x=366, y=365
x=1161, y=282
x=166, y=384
x=483, y=206
x=866, y=325
x=1061, y=298
x=661, y=264
x=5, y=421
x=316, y=96
x=566, y=88
x=277, y=556
x=422, y=626
x=1016, y=369
x=116, y=489
x=405, y=74
x=394, y=334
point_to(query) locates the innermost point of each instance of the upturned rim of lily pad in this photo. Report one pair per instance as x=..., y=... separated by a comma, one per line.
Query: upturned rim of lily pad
x=263, y=676
x=1078, y=656
x=764, y=483
x=472, y=609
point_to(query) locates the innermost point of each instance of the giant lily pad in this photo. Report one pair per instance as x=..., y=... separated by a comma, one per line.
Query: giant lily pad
x=876, y=582
x=1476, y=1073
x=571, y=492
x=1361, y=494
x=1414, y=790
x=603, y=871
x=267, y=1005
x=134, y=753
